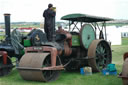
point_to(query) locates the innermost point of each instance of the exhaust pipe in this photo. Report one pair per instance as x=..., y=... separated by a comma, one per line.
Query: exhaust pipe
x=7, y=27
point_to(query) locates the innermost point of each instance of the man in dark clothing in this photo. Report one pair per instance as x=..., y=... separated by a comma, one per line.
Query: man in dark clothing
x=49, y=22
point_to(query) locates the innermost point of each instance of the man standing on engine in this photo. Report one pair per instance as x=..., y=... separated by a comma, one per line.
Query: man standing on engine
x=49, y=22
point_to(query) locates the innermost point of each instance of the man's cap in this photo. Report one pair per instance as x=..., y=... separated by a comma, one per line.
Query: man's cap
x=50, y=5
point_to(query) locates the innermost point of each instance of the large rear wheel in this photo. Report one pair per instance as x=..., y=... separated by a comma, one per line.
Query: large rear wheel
x=99, y=54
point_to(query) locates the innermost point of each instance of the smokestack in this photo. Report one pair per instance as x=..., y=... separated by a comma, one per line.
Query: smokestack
x=7, y=26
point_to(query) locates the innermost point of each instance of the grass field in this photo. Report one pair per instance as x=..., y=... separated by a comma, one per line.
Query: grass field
x=74, y=78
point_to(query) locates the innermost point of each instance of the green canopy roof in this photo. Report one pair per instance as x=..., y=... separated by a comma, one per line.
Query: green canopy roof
x=85, y=18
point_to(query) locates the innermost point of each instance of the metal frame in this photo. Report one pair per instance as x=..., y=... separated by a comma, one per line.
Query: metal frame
x=102, y=28
x=94, y=24
x=75, y=25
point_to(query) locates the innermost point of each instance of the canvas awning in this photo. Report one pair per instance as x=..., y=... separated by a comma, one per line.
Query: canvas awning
x=85, y=18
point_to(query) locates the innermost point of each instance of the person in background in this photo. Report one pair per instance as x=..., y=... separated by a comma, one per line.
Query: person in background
x=49, y=21
x=60, y=28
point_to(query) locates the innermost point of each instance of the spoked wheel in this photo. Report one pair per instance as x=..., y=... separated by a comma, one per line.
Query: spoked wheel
x=50, y=75
x=37, y=60
x=99, y=54
x=5, y=69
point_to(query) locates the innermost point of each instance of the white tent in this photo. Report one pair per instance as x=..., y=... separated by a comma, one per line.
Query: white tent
x=113, y=35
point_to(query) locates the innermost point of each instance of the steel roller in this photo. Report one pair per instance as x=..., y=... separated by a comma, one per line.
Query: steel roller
x=33, y=61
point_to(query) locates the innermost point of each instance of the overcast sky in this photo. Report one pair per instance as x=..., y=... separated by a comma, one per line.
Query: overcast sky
x=32, y=10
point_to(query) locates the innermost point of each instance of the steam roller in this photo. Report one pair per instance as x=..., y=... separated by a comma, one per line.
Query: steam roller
x=69, y=51
x=41, y=60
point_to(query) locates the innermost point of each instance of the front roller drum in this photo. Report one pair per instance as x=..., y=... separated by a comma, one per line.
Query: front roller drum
x=37, y=60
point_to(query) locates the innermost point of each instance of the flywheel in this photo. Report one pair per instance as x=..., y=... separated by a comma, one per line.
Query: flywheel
x=99, y=54
x=87, y=35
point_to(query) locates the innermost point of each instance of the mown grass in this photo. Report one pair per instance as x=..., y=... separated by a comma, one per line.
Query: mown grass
x=124, y=41
x=66, y=78
x=74, y=78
